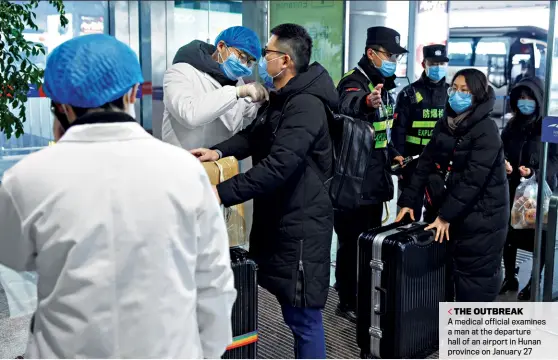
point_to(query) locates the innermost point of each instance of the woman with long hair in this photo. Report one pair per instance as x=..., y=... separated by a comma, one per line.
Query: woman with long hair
x=466, y=155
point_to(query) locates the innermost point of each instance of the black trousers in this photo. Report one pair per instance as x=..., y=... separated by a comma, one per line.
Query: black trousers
x=520, y=239
x=348, y=226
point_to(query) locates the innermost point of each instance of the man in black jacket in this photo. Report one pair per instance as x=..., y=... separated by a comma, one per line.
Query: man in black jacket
x=419, y=107
x=364, y=94
x=292, y=152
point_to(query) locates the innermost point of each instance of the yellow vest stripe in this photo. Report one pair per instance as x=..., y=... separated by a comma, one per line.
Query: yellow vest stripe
x=424, y=124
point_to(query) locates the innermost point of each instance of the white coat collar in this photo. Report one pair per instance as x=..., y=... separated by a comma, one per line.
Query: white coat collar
x=105, y=132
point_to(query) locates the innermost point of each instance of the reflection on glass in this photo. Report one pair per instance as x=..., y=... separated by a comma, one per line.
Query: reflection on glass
x=85, y=17
x=204, y=20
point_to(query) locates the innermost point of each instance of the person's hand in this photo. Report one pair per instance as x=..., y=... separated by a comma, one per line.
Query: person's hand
x=442, y=229
x=509, y=168
x=374, y=99
x=403, y=212
x=255, y=91
x=216, y=192
x=205, y=155
x=400, y=160
x=524, y=171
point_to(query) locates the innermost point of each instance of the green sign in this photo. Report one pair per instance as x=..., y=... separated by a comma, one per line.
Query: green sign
x=324, y=21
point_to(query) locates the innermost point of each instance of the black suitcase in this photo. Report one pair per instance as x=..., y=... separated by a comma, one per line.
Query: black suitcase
x=245, y=309
x=401, y=280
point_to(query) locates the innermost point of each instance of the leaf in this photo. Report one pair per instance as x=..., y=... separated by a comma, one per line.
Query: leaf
x=16, y=72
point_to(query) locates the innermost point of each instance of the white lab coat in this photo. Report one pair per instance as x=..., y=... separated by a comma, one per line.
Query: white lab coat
x=129, y=244
x=199, y=112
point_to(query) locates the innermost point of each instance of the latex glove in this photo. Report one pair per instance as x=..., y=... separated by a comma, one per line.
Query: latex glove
x=205, y=155
x=509, y=168
x=524, y=171
x=442, y=229
x=255, y=91
x=403, y=212
x=374, y=99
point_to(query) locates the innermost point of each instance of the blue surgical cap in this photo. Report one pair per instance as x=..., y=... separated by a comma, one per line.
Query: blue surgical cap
x=242, y=38
x=90, y=71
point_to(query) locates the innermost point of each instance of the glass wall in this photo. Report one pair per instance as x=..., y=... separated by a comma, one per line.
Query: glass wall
x=84, y=17
x=203, y=20
x=324, y=21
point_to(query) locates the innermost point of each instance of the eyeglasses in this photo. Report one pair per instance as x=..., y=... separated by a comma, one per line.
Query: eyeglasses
x=265, y=51
x=244, y=58
x=452, y=91
x=390, y=56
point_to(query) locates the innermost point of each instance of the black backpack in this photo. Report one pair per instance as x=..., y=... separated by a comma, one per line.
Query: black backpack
x=353, y=143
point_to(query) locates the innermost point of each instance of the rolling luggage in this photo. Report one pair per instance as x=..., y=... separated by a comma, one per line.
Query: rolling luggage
x=401, y=280
x=245, y=309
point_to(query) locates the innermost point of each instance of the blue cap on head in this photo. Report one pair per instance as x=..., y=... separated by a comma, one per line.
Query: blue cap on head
x=242, y=38
x=90, y=71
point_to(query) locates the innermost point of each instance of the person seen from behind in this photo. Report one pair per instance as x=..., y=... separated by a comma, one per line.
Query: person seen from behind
x=474, y=206
x=123, y=230
x=206, y=99
x=292, y=153
x=522, y=145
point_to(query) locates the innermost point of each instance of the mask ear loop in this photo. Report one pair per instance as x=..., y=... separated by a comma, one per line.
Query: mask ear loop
x=61, y=114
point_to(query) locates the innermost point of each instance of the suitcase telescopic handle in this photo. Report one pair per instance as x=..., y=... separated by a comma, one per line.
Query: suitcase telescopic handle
x=381, y=310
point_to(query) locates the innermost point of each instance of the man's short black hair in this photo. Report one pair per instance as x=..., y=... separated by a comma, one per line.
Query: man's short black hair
x=294, y=40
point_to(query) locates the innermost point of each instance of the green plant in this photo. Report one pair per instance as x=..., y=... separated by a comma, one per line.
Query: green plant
x=17, y=73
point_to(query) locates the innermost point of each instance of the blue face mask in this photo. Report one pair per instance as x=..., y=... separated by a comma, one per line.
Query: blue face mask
x=262, y=70
x=460, y=102
x=526, y=106
x=436, y=73
x=233, y=68
x=387, y=68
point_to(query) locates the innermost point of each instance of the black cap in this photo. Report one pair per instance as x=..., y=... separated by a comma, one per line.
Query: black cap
x=385, y=37
x=436, y=53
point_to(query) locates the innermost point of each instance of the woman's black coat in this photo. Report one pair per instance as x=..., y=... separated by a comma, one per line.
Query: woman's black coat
x=522, y=145
x=476, y=203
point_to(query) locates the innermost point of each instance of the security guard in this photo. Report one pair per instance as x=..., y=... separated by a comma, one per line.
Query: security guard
x=364, y=94
x=419, y=106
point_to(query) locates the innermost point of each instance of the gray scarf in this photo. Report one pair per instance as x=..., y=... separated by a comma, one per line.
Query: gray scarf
x=453, y=122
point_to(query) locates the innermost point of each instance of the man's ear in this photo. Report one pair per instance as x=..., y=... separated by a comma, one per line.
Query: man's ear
x=370, y=54
x=133, y=94
x=221, y=45
x=69, y=111
x=424, y=64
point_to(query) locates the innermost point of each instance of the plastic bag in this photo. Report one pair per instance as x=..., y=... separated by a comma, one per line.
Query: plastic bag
x=524, y=210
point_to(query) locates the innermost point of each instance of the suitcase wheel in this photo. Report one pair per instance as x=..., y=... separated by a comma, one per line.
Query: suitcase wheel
x=364, y=355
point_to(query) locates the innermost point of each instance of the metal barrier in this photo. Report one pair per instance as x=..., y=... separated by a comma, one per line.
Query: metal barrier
x=551, y=232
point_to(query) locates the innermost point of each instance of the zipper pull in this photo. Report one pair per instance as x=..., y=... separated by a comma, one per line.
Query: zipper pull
x=300, y=267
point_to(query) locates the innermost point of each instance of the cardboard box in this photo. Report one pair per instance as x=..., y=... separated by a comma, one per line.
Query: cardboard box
x=219, y=171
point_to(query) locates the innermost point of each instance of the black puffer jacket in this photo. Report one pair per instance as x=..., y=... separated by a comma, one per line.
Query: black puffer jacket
x=522, y=145
x=293, y=216
x=522, y=136
x=477, y=200
x=353, y=89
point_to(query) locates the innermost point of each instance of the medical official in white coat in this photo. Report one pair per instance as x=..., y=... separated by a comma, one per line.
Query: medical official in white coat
x=123, y=230
x=206, y=100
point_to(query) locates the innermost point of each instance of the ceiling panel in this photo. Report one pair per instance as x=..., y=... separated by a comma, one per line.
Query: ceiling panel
x=479, y=5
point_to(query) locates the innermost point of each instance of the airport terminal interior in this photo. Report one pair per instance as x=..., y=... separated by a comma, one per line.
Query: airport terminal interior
x=493, y=36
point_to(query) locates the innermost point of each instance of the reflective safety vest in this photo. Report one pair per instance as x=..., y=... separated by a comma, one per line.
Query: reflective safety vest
x=383, y=126
x=425, y=116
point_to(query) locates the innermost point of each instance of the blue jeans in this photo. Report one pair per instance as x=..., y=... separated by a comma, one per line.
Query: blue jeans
x=308, y=331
